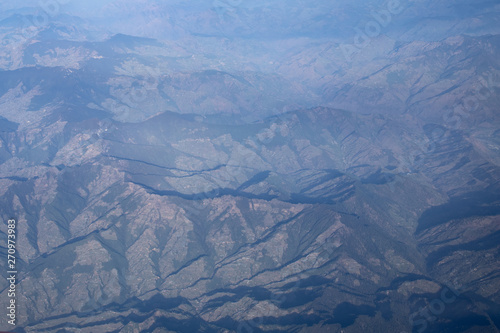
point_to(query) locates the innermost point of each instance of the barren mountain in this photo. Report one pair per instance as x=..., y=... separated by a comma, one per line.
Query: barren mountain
x=243, y=183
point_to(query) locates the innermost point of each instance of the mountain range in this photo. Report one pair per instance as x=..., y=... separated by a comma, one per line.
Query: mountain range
x=232, y=168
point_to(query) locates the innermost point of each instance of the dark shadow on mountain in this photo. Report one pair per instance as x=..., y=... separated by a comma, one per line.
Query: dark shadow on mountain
x=190, y=325
x=485, y=243
x=7, y=126
x=383, y=305
x=293, y=294
x=297, y=198
x=254, y=324
x=481, y=203
x=299, y=297
x=458, y=324
x=261, y=176
x=346, y=313
x=216, y=193
x=454, y=316
x=256, y=293
x=122, y=40
x=73, y=113
x=378, y=178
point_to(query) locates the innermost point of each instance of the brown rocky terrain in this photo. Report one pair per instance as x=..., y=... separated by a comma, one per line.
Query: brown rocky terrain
x=231, y=185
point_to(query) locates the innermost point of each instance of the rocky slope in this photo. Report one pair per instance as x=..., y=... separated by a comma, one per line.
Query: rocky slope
x=196, y=186
x=279, y=225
